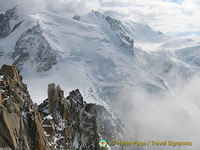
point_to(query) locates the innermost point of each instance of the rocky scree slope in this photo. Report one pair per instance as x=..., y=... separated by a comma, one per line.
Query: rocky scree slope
x=57, y=123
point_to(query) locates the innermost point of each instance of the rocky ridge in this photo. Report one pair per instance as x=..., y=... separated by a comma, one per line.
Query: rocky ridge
x=20, y=125
x=113, y=27
x=33, y=48
x=9, y=22
x=58, y=123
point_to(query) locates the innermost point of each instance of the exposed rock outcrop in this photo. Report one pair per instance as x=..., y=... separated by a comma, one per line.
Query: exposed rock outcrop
x=0, y=98
x=109, y=126
x=73, y=121
x=66, y=123
x=118, y=30
x=32, y=47
x=52, y=96
x=9, y=22
x=12, y=72
x=20, y=125
x=76, y=17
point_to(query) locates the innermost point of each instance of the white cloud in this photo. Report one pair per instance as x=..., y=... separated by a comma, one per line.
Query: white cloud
x=164, y=15
x=75, y=6
x=162, y=117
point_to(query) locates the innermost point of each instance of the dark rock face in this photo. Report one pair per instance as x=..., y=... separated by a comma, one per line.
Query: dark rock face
x=83, y=123
x=20, y=126
x=0, y=98
x=32, y=47
x=124, y=37
x=71, y=120
x=114, y=24
x=58, y=123
x=76, y=17
x=119, y=31
x=68, y=122
x=52, y=96
x=5, y=22
x=12, y=72
x=110, y=127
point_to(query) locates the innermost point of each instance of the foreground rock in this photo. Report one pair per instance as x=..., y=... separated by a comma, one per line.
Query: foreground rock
x=66, y=123
x=20, y=126
x=71, y=120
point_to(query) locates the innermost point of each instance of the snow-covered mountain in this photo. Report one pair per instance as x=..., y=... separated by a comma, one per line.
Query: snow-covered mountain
x=95, y=52
x=9, y=22
x=102, y=54
x=34, y=48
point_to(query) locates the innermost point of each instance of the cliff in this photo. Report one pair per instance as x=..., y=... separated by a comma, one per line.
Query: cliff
x=59, y=122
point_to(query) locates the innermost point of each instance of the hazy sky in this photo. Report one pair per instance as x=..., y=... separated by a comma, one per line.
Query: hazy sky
x=174, y=17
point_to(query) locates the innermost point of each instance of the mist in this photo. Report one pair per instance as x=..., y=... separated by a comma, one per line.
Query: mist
x=59, y=6
x=168, y=117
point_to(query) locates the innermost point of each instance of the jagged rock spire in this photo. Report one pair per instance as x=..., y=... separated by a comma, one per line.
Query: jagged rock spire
x=59, y=123
x=52, y=96
x=0, y=98
x=20, y=123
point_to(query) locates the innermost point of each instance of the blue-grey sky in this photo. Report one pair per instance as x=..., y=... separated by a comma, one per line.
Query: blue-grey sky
x=173, y=17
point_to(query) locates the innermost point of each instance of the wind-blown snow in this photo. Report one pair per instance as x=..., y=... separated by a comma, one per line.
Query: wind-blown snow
x=109, y=60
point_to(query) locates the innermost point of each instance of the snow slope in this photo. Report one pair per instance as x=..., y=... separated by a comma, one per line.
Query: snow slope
x=105, y=56
x=97, y=53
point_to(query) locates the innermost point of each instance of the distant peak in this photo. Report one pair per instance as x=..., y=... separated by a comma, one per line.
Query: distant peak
x=76, y=17
x=12, y=12
x=96, y=13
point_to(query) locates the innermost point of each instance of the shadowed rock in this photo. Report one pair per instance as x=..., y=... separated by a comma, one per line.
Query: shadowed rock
x=7, y=132
x=20, y=125
x=12, y=72
x=1, y=98
x=58, y=123
x=9, y=22
x=52, y=96
x=33, y=48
